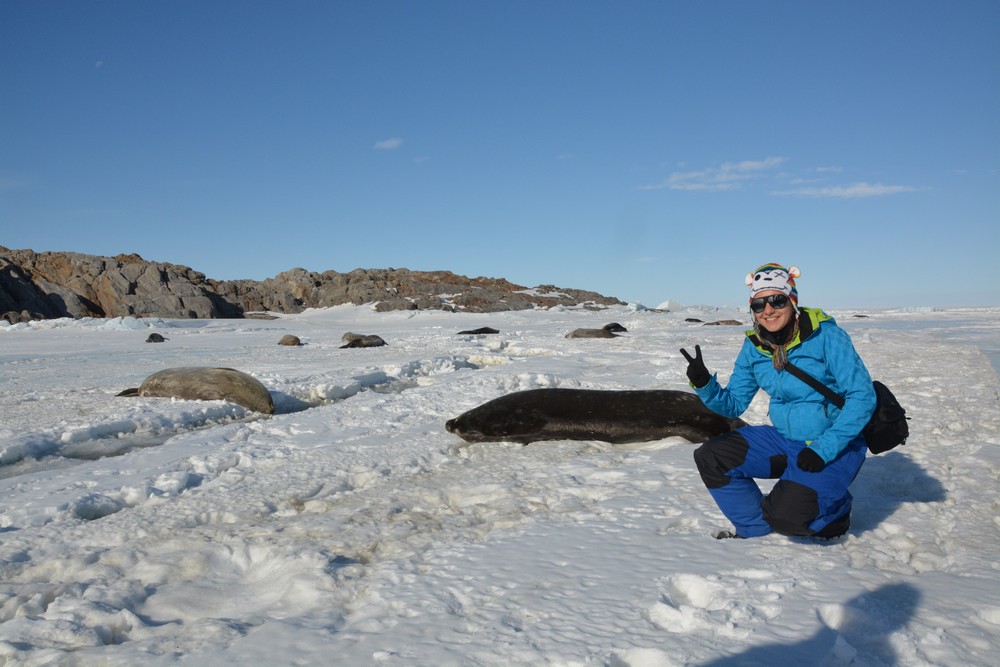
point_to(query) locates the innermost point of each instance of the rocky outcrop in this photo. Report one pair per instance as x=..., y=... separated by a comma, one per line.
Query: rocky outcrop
x=65, y=284
x=78, y=285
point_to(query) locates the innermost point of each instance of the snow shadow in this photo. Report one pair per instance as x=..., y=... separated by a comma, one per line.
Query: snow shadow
x=886, y=482
x=286, y=404
x=855, y=632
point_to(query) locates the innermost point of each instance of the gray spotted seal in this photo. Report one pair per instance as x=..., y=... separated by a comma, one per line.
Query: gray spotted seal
x=586, y=414
x=207, y=384
x=155, y=338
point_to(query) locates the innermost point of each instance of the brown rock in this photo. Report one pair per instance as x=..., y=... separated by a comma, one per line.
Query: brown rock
x=67, y=284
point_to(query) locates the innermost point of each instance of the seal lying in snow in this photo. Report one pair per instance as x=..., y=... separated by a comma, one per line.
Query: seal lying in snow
x=207, y=384
x=361, y=340
x=585, y=414
x=607, y=331
x=591, y=333
x=365, y=341
x=480, y=330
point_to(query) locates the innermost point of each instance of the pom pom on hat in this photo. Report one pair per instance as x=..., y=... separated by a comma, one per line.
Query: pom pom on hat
x=776, y=278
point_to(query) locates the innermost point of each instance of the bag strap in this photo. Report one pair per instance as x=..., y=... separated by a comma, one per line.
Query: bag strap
x=831, y=396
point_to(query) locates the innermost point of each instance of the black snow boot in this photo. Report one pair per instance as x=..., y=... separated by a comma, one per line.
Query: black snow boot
x=835, y=528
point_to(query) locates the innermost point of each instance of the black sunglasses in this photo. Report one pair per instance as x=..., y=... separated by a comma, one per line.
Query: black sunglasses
x=777, y=301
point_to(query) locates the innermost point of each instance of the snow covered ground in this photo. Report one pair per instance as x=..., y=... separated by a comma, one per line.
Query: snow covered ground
x=351, y=528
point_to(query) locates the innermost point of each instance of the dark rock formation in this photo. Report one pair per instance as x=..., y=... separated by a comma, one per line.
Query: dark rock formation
x=20, y=299
x=65, y=284
x=75, y=285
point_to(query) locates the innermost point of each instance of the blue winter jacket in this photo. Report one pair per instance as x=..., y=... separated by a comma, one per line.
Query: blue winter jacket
x=798, y=411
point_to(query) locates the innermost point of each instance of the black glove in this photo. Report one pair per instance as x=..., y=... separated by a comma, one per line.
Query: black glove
x=810, y=461
x=696, y=370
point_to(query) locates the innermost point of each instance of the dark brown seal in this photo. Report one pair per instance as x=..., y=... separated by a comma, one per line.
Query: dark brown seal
x=591, y=333
x=360, y=340
x=587, y=414
x=480, y=330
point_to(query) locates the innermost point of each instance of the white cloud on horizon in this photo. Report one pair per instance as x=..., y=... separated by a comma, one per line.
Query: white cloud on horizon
x=853, y=191
x=730, y=176
x=735, y=175
x=388, y=144
x=796, y=180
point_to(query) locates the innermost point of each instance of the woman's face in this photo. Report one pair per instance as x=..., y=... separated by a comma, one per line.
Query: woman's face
x=771, y=319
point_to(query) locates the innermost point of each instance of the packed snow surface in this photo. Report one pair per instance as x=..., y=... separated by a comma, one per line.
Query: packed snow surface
x=351, y=528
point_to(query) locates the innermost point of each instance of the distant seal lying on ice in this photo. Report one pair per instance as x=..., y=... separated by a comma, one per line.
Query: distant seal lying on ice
x=358, y=340
x=591, y=333
x=207, y=384
x=155, y=338
x=480, y=330
x=586, y=414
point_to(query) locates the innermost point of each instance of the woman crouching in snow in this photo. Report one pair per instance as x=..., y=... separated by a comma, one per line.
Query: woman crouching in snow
x=812, y=448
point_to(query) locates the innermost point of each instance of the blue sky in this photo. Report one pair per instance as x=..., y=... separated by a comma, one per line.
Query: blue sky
x=643, y=150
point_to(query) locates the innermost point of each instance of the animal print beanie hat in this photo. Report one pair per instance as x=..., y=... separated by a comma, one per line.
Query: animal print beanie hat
x=774, y=277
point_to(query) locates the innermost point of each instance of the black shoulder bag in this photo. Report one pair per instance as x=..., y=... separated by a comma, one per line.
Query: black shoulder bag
x=887, y=427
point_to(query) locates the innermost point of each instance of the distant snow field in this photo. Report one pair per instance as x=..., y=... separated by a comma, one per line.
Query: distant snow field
x=351, y=528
